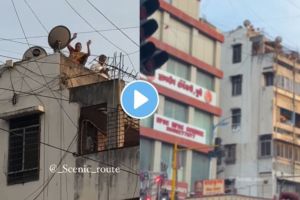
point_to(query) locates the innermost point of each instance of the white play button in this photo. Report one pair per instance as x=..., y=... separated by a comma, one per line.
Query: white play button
x=139, y=99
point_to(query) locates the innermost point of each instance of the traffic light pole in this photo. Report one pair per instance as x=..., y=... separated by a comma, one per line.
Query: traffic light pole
x=174, y=172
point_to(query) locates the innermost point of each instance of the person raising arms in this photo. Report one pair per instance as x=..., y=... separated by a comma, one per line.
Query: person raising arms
x=76, y=54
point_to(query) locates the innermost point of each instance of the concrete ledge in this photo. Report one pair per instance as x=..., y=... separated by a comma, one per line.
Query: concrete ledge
x=22, y=112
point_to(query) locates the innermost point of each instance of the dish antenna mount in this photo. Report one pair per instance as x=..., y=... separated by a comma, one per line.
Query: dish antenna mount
x=59, y=37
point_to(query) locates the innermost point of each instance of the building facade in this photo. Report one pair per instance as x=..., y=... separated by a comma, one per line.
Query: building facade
x=260, y=103
x=56, y=116
x=188, y=87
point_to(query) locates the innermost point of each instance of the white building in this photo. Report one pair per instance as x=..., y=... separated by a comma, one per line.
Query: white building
x=260, y=102
x=53, y=111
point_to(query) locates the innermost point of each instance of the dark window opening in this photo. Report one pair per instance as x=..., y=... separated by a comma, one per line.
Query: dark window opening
x=256, y=47
x=269, y=78
x=265, y=145
x=230, y=186
x=236, y=82
x=24, y=143
x=237, y=53
x=236, y=118
x=230, y=150
x=297, y=120
x=286, y=116
x=284, y=64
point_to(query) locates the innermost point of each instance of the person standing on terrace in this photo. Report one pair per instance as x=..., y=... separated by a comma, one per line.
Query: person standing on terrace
x=75, y=53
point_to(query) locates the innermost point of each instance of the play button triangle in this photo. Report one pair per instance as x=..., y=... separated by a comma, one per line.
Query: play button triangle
x=139, y=99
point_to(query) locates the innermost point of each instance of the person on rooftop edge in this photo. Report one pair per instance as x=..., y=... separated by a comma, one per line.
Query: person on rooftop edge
x=75, y=53
x=101, y=66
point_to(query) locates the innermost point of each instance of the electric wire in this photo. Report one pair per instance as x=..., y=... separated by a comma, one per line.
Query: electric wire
x=49, y=180
x=74, y=153
x=78, y=32
x=111, y=22
x=20, y=23
x=75, y=76
x=36, y=16
x=99, y=33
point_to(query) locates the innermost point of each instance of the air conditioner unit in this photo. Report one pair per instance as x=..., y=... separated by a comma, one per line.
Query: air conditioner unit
x=34, y=52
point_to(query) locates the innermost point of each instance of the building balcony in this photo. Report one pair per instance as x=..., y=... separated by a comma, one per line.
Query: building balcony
x=284, y=132
x=286, y=168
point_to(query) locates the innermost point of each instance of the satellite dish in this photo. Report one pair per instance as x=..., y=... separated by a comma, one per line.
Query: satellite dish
x=59, y=37
x=34, y=52
x=247, y=23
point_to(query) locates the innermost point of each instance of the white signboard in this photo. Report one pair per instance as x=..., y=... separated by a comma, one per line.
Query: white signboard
x=185, y=87
x=179, y=129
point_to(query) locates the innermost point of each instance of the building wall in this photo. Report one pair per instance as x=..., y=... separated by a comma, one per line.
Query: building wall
x=197, y=51
x=59, y=127
x=189, y=7
x=256, y=104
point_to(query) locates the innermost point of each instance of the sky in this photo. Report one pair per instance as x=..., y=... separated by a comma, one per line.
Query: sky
x=275, y=17
x=125, y=14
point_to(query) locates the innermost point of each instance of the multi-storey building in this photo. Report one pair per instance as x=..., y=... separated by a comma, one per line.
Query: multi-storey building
x=188, y=86
x=63, y=134
x=261, y=113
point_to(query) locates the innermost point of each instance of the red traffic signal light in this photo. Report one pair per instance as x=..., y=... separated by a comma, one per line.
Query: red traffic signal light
x=158, y=179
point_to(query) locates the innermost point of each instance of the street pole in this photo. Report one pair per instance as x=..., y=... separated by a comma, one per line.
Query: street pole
x=174, y=172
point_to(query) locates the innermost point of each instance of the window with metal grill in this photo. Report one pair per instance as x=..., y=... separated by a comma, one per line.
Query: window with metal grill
x=23, y=157
x=230, y=150
x=236, y=53
x=269, y=78
x=236, y=82
x=265, y=147
x=236, y=118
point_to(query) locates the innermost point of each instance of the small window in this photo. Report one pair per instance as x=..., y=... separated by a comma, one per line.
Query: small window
x=236, y=118
x=286, y=116
x=230, y=186
x=236, y=82
x=230, y=150
x=265, y=145
x=24, y=144
x=269, y=78
x=237, y=53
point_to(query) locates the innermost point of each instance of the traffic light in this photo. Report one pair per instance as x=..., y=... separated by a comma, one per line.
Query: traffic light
x=151, y=58
x=158, y=179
